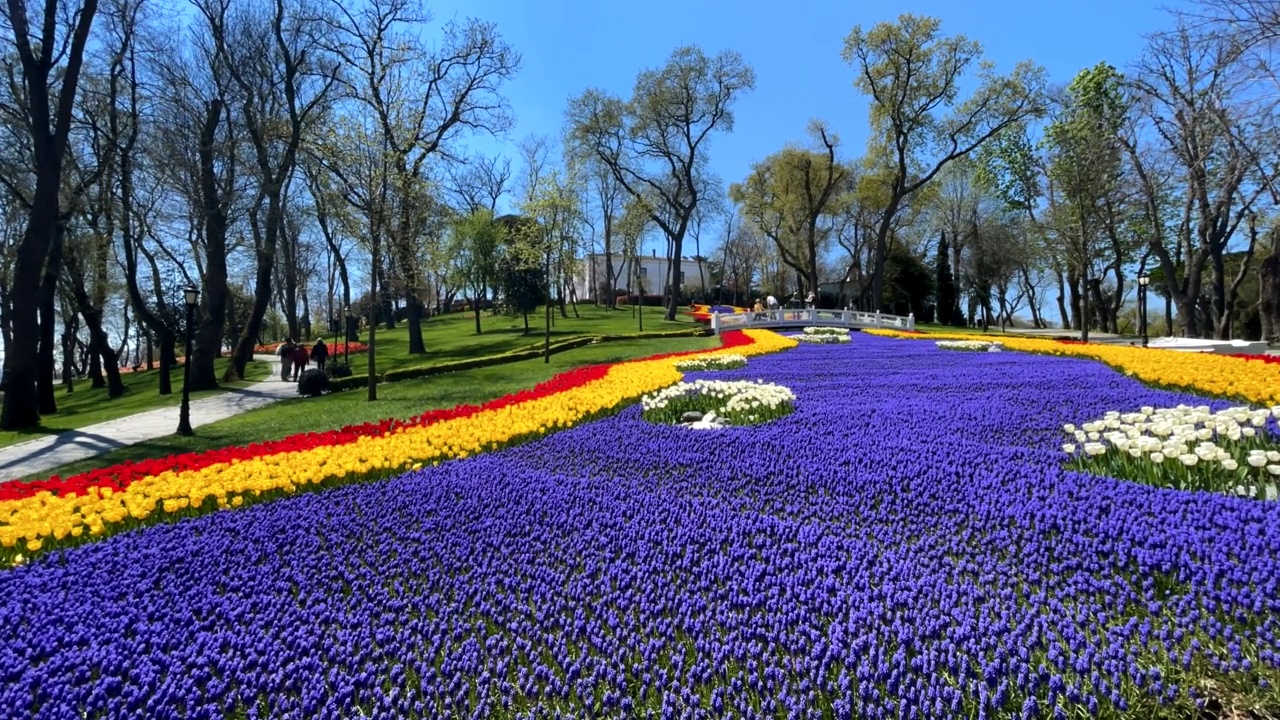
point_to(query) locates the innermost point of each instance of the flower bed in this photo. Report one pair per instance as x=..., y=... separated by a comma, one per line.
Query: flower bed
x=1230, y=451
x=969, y=345
x=823, y=338
x=911, y=547
x=712, y=362
x=719, y=402
x=34, y=516
x=1208, y=373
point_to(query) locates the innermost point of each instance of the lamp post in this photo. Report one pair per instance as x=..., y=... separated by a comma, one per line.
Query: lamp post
x=346, y=343
x=191, y=294
x=1143, y=281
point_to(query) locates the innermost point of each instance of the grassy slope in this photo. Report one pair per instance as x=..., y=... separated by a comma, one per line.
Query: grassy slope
x=448, y=338
x=398, y=400
x=87, y=406
x=452, y=337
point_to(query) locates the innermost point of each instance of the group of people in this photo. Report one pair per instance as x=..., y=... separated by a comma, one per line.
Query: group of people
x=294, y=358
x=770, y=303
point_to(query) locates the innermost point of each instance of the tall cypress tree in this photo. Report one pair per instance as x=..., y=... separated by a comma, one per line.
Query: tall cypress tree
x=946, y=284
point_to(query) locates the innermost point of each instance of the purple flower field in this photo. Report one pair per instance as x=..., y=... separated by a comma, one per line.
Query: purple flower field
x=907, y=544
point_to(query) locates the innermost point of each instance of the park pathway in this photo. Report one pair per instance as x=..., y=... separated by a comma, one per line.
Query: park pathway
x=33, y=458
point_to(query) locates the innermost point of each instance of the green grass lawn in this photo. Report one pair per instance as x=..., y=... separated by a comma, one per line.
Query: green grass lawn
x=453, y=337
x=87, y=406
x=395, y=400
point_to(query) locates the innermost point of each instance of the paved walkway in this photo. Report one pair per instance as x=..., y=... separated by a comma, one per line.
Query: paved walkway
x=36, y=457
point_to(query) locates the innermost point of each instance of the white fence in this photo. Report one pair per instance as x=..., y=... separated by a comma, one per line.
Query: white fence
x=802, y=318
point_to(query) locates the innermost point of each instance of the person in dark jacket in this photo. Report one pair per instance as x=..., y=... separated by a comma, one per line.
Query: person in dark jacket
x=319, y=353
x=300, y=356
x=285, y=351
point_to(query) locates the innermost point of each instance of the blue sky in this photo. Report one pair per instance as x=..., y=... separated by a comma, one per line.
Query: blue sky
x=570, y=45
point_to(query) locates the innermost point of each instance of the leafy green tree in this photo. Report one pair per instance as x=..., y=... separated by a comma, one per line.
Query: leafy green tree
x=913, y=75
x=475, y=245
x=520, y=274
x=909, y=282
x=1085, y=168
x=793, y=197
x=656, y=143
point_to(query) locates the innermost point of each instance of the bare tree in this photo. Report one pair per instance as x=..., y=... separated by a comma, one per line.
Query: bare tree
x=423, y=100
x=1190, y=88
x=50, y=94
x=656, y=143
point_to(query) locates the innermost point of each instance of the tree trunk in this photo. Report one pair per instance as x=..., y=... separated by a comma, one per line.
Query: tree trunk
x=673, y=280
x=213, y=316
x=475, y=304
x=289, y=251
x=100, y=351
x=374, y=253
x=45, y=386
x=414, y=319
x=266, y=255
x=1269, y=286
x=69, y=330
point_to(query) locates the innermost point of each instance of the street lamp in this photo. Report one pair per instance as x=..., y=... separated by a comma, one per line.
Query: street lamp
x=191, y=294
x=1143, y=281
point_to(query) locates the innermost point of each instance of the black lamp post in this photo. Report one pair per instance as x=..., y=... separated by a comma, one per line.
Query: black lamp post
x=191, y=294
x=1143, y=281
x=346, y=343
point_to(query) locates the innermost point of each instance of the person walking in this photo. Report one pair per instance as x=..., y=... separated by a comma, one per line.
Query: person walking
x=319, y=353
x=300, y=356
x=809, y=300
x=772, y=303
x=285, y=351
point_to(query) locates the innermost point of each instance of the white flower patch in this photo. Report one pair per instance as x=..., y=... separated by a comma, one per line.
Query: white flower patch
x=824, y=338
x=815, y=330
x=970, y=345
x=712, y=362
x=1188, y=447
x=718, y=403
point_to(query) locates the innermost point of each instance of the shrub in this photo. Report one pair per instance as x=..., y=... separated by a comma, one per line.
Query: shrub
x=313, y=383
x=338, y=370
x=350, y=382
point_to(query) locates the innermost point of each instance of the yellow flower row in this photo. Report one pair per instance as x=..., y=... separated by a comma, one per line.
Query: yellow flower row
x=1220, y=375
x=32, y=523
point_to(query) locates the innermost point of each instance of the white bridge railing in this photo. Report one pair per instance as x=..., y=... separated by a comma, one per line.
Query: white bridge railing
x=800, y=318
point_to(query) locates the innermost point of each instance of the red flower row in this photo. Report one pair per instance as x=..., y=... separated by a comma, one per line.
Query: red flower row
x=118, y=477
x=1275, y=359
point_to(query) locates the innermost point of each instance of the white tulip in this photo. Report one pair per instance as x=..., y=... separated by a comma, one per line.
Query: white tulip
x=1189, y=460
x=1157, y=457
x=1230, y=465
x=1257, y=461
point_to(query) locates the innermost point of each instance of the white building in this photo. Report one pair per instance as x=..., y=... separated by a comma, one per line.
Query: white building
x=591, y=277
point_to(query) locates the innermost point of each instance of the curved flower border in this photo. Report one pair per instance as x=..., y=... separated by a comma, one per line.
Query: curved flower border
x=64, y=511
x=1221, y=376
